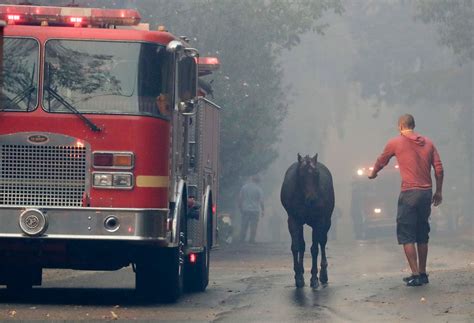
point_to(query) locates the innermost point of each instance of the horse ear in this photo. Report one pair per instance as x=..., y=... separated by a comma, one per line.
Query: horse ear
x=299, y=158
x=315, y=158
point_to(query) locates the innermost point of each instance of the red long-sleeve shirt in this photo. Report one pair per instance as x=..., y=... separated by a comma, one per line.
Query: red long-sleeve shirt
x=415, y=155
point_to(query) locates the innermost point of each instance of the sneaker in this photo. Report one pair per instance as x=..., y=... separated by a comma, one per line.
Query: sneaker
x=415, y=281
x=424, y=278
x=408, y=278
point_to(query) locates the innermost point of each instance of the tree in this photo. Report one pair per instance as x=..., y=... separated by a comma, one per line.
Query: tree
x=455, y=23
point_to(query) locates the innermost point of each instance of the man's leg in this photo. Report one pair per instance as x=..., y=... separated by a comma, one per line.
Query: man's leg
x=410, y=253
x=423, y=229
x=422, y=256
x=406, y=228
x=244, y=227
x=253, y=227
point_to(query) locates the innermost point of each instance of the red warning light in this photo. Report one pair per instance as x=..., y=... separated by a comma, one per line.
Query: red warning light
x=67, y=16
x=207, y=65
x=192, y=258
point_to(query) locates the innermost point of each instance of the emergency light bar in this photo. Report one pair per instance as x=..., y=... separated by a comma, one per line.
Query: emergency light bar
x=68, y=16
x=207, y=65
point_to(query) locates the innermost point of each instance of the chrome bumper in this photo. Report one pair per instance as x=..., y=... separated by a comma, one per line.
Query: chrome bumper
x=147, y=225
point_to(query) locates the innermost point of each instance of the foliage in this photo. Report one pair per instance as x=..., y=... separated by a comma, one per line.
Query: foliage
x=455, y=22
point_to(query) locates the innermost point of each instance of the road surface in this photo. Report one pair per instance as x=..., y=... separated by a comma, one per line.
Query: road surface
x=254, y=283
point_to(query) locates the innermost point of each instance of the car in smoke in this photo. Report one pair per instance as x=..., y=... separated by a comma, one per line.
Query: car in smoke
x=374, y=203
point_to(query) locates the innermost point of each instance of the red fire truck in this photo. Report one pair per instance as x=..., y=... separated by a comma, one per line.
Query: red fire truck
x=108, y=150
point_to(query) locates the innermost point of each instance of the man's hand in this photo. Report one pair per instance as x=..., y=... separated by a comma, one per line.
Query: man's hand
x=437, y=198
x=372, y=175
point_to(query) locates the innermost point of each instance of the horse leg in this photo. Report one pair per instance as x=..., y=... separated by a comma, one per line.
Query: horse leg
x=297, y=249
x=323, y=238
x=314, y=256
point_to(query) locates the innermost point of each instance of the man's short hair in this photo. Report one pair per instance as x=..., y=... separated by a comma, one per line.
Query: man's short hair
x=407, y=121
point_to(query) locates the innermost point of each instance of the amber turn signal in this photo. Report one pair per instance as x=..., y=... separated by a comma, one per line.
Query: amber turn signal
x=124, y=160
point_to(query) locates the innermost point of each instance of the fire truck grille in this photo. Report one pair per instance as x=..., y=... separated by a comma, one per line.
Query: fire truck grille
x=42, y=175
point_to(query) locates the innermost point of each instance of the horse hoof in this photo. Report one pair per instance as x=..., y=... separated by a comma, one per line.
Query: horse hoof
x=323, y=279
x=299, y=283
x=314, y=283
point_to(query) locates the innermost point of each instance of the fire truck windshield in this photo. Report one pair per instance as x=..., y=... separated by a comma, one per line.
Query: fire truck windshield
x=20, y=79
x=107, y=77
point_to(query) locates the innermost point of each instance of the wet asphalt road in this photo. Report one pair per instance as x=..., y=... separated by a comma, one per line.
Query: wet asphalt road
x=254, y=283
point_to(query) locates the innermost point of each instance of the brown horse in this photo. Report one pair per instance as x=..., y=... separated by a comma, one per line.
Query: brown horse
x=307, y=194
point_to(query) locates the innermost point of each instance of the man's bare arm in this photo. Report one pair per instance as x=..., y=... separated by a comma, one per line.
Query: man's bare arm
x=438, y=196
x=383, y=159
x=439, y=176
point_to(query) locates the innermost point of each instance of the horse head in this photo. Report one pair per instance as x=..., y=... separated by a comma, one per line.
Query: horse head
x=308, y=177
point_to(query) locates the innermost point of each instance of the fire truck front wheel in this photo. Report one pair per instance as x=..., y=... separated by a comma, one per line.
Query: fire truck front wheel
x=159, y=271
x=160, y=277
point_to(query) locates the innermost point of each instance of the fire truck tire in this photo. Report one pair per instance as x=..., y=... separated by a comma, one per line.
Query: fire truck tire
x=171, y=276
x=197, y=274
x=160, y=278
x=159, y=274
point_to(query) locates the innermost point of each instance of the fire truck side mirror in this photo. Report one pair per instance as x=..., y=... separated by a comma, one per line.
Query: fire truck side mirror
x=187, y=70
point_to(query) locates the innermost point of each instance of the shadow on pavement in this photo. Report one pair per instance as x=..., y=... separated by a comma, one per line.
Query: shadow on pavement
x=77, y=296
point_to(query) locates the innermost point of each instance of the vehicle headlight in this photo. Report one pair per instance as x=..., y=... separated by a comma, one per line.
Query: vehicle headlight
x=377, y=211
x=103, y=180
x=113, y=180
x=122, y=180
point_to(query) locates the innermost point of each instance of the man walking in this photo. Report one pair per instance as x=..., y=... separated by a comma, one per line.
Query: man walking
x=415, y=155
x=250, y=205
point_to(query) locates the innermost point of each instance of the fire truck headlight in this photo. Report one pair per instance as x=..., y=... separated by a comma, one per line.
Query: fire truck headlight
x=113, y=180
x=102, y=180
x=122, y=180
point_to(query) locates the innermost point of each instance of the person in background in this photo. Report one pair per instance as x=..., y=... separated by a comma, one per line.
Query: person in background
x=250, y=203
x=415, y=155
